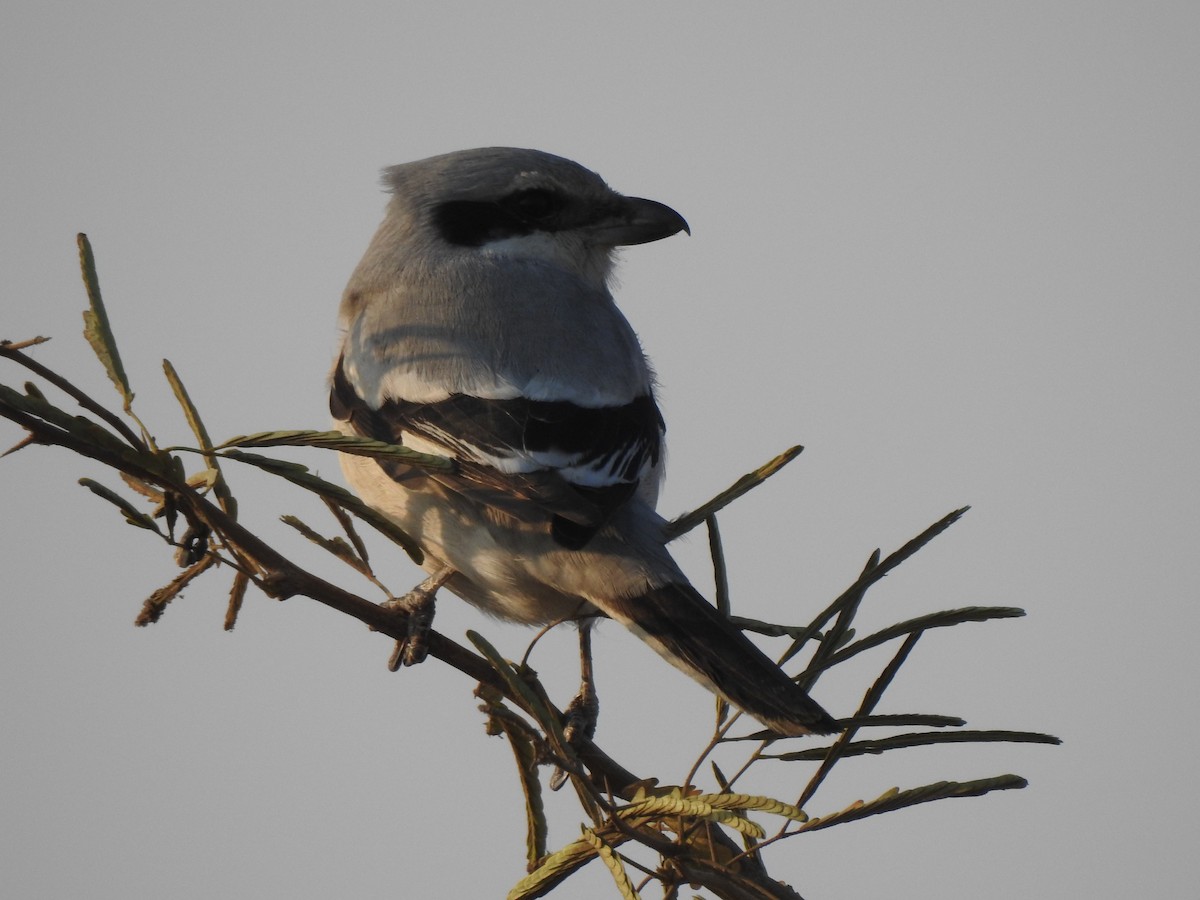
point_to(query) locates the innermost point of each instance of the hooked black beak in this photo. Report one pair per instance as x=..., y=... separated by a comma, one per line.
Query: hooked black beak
x=639, y=221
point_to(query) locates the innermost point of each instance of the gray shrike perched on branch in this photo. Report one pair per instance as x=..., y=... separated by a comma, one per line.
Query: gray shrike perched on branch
x=479, y=326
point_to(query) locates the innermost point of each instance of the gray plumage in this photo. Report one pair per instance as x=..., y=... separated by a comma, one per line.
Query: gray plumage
x=479, y=325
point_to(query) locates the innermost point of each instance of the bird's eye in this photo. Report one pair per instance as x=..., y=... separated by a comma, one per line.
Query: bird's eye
x=535, y=204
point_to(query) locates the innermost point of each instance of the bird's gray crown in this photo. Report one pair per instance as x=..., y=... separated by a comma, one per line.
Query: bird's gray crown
x=488, y=173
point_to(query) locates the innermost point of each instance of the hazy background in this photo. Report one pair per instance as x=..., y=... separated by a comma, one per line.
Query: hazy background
x=951, y=248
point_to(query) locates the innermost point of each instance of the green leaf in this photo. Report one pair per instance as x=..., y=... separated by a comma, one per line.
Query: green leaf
x=845, y=607
x=686, y=522
x=697, y=808
x=298, y=474
x=527, y=697
x=554, y=869
x=343, y=519
x=751, y=801
x=133, y=515
x=336, y=440
x=522, y=739
x=216, y=478
x=943, y=619
x=896, y=799
x=96, y=327
x=919, y=739
x=57, y=426
x=769, y=629
x=282, y=467
x=337, y=546
x=613, y=862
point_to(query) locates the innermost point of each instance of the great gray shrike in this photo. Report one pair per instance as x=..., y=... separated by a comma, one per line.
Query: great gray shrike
x=479, y=326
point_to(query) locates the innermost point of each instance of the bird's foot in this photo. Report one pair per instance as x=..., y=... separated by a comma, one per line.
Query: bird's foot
x=579, y=724
x=417, y=606
x=582, y=714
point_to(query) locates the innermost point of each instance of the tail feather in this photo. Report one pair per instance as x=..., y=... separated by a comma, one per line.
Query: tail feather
x=694, y=637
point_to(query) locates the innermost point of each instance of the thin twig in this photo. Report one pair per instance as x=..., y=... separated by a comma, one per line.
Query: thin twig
x=110, y=418
x=870, y=699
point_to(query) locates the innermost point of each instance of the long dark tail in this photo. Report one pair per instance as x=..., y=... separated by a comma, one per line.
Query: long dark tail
x=694, y=637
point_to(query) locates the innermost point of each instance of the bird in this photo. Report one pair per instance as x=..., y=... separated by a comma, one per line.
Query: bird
x=479, y=326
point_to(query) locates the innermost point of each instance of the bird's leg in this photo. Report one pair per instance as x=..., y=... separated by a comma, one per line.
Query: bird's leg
x=417, y=605
x=583, y=711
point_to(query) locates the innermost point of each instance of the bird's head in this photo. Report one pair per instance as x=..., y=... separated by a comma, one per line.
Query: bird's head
x=523, y=204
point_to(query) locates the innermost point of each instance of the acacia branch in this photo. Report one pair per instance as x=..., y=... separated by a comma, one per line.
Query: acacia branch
x=702, y=850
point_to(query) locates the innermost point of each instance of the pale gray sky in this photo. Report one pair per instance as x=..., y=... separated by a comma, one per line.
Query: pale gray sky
x=950, y=248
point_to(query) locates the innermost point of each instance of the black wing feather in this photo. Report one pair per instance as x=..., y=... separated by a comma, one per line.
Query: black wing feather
x=617, y=442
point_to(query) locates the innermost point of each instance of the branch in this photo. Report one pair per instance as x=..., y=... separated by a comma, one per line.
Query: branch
x=689, y=830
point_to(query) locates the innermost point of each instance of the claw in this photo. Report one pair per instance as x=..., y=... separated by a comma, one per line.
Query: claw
x=418, y=607
x=582, y=714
